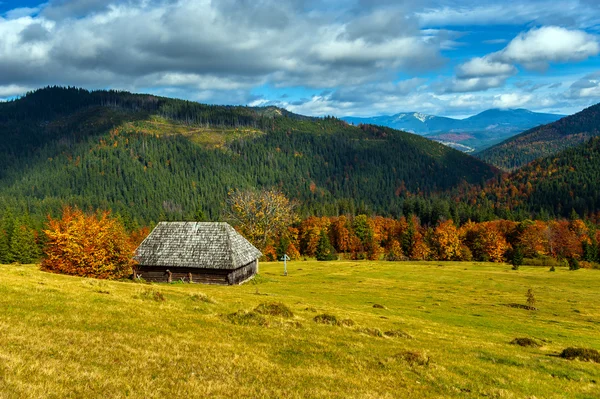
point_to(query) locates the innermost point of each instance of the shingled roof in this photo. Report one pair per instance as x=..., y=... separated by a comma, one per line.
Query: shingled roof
x=196, y=244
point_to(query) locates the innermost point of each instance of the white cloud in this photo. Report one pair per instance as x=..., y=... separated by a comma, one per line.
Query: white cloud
x=579, y=13
x=484, y=66
x=12, y=90
x=511, y=100
x=533, y=49
x=538, y=47
x=586, y=87
x=225, y=45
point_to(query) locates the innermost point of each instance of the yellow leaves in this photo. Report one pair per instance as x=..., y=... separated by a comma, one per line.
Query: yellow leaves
x=87, y=245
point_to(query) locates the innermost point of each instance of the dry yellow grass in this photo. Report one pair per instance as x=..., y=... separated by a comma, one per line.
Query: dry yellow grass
x=68, y=337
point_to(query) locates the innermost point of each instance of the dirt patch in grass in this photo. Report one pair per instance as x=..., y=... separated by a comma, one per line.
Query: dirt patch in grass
x=583, y=354
x=527, y=342
x=373, y=332
x=378, y=306
x=244, y=318
x=520, y=306
x=398, y=334
x=274, y=309
x=201, y=297
x=311, y=309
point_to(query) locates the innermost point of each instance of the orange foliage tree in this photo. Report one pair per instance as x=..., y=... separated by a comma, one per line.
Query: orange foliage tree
x=446, y=241
x=533, y=238
x=90, y=245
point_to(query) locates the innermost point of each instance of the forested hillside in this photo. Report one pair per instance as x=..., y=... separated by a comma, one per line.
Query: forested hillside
x=552, y=186
x=544, y=140
x=150, y=158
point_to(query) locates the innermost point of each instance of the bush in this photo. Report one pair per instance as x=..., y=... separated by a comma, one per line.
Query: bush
x=93, y=245
x=543, y=261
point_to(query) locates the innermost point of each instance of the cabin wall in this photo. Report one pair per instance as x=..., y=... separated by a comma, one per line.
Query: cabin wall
x=158, y=274
x=243, y=273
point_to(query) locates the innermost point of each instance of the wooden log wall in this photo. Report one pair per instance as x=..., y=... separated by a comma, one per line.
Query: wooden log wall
x=158, y=274
x=242, y=274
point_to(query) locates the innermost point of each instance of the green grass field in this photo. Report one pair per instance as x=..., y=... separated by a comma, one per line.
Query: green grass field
x=69, y=337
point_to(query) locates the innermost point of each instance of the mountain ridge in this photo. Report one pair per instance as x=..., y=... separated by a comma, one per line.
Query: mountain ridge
x=544, y=140
x=477, y=132
x=150, y=158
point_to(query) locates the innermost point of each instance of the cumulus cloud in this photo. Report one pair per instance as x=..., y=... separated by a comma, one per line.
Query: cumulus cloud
x=482, y=67
x=538, y=47
x=533, y=49
x=207, y=45
x=511, y=100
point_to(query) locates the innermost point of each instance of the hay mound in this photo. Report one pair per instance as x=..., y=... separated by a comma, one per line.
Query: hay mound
x=326, y=319
x=373, y=332
x=274, y=309
x=201, y=297
x=243, y=318
x=414, y=358
x=583, y=354
x=526, y=342
x=397, y=334
x=347, y=323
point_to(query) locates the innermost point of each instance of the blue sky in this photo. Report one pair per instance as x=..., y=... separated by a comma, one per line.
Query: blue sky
x=361, y=57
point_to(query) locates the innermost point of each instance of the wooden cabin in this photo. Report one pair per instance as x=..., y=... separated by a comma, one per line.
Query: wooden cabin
x=198, y=252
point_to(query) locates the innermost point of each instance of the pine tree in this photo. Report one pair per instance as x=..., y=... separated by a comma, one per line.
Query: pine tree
x=6, y=231
x=4, y=247
x=23, y=246
x=325, y=250
x=517, y=258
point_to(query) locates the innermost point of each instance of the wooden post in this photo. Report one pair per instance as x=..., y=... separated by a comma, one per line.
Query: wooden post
x=170, y=276
x=190, y=277
x=256, y=266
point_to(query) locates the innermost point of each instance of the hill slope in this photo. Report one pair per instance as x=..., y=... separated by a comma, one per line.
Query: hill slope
x=545, y=140
x=76, y=338
x=554, y=185
x=474, y=133
x=151, y=158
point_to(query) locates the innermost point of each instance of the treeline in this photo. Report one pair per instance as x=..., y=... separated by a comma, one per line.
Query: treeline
x=550, y=187
x=374, y=238
x=406, y=238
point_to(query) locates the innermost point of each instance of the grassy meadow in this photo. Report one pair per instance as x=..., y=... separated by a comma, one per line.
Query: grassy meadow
x=448, y=334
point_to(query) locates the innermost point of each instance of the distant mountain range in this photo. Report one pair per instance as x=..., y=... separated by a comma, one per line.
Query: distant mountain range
x=470, y=134
x=545, y=140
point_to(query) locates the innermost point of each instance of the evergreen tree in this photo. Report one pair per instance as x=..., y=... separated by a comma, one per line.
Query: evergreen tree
x=23, y=246
x=325, y=250
x=517, y=257
x=4, y=247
